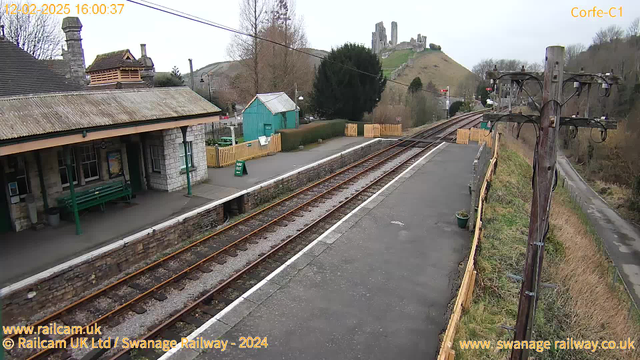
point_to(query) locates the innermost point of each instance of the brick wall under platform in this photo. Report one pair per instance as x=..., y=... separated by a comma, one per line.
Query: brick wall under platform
x=93, y=270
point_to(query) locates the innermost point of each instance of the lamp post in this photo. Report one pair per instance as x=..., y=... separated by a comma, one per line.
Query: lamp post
x=297, y=97
x=208, y=83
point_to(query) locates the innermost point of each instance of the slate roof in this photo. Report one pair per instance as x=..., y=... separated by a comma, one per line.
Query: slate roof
x=21, y=73
x=113, y=60
x=277, y=102
x=24, y=116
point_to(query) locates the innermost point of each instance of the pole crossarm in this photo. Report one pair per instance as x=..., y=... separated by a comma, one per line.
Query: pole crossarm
x=579, y=122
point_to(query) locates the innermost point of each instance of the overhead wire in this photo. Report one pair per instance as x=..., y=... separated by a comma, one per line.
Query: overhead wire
x=187, y=16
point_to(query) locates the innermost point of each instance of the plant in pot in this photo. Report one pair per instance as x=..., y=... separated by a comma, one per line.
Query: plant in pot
x=463, y=218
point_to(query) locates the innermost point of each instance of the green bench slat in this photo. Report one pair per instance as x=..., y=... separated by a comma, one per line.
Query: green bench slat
x=96, y=196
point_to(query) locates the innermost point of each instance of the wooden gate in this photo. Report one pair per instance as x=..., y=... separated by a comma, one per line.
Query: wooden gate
x=351, y=130
x=371, y=130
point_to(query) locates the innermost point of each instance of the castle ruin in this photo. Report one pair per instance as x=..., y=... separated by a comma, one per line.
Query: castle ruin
x=379, y=43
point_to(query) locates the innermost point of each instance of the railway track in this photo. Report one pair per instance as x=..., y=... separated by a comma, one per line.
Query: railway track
x=115, y=304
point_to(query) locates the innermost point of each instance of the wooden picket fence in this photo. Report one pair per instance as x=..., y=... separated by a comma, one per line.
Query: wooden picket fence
x=465, y=293
x=390, y=129
x=481, y=136
x=351, y=130
x=462, y=136
x=225, y=156
x=371, y=130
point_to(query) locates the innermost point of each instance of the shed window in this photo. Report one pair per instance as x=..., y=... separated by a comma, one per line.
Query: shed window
x=189, y=155
x=62, y=168
x=156, y=158
x=89, y=162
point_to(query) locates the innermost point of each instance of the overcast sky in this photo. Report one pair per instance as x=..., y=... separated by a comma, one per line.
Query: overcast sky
x=467, y=30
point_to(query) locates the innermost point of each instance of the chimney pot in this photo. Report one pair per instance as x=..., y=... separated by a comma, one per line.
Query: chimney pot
x=143, y=50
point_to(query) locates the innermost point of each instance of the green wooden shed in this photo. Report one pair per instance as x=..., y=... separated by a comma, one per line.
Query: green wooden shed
x=268, y=113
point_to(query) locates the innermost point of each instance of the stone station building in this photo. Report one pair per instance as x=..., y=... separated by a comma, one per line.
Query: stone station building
x=133, y=136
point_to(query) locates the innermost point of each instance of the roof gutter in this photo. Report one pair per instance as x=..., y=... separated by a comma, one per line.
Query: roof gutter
x=85, y=131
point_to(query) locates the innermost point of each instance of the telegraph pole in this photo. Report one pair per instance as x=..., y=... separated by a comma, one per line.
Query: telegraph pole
x=544, y=176
x=543, y=180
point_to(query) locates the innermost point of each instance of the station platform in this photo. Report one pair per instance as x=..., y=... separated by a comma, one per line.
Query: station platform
x=375, y=286
x=222, y=183
x=30, y=252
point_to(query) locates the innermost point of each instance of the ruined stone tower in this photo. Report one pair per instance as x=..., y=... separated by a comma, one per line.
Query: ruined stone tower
x=74, y=54
x=394, y=33
x=379, y=38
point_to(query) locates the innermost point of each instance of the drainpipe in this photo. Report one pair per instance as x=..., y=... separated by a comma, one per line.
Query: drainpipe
x=74, y=205
x=43, y=189
x=186, y=157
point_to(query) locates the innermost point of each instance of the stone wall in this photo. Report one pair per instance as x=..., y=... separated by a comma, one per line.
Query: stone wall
x=93, y=271
x=172, y=142
x=278, y=188
x=54, y=189
x=480, y=163
x=60, y=287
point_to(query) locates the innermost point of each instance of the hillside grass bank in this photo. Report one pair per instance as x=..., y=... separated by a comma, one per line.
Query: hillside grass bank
x=585, y=305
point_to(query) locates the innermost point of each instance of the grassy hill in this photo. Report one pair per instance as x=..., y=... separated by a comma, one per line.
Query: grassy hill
x=429, y=65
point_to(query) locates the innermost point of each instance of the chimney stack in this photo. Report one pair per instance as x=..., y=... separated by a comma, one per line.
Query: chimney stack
x=74, y=55
x=149, y=71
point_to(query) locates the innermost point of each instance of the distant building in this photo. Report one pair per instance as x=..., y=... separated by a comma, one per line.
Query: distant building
x=268, y=113
x=116, y=70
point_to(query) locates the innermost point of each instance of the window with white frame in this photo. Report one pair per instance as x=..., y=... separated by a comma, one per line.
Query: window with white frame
x=189, y=155
x=156, y=157
x=62, y=168
x=89, y=162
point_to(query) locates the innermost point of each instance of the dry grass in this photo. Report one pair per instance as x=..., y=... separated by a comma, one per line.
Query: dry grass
x=434, y=66
x=600, y=307
x=586, y=305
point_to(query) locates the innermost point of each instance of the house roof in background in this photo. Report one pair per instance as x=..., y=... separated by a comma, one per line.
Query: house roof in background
x=24, y=116
x=21, y=73
x=277, y=102
x=114, y=60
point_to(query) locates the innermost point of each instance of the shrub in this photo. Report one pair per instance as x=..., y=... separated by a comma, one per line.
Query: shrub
x=455, y=107
x=310, y=133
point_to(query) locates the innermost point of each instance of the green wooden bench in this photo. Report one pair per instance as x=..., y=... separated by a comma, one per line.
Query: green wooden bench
x=98, y=195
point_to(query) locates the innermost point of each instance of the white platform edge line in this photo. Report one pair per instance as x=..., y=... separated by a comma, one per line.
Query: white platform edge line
x=122, y=243
x=257, y=286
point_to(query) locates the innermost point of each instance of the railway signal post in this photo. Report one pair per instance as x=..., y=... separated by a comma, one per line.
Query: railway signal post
x=545, y=175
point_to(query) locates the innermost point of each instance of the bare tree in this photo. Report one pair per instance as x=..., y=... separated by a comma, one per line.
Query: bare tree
x=246, y=49
x=634, y=28
x=482, y=67
x=286, y=67
x=38, y=34
x=609, y=34
x=534, y=67
x=572, y=51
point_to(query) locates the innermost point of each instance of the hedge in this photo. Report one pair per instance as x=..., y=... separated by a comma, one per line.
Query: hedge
x=310, y=133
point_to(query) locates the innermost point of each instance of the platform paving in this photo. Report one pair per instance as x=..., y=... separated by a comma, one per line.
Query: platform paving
x=29, y=252
x=375, y=287
x=222, y=182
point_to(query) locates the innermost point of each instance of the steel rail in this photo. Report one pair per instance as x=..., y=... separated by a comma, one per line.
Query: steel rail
x=194, y=305
x=99, y=292
x=183, y=273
